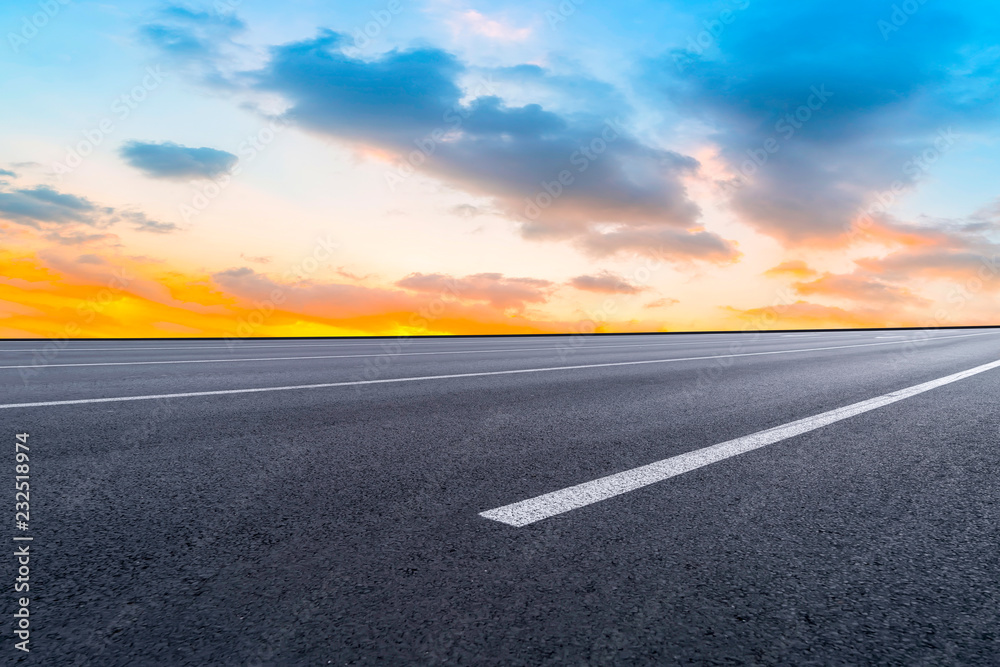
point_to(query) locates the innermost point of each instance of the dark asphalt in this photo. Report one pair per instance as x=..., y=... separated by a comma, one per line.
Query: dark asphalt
x=340, y=525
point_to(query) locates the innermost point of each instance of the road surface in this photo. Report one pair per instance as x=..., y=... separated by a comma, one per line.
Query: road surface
x=815, y=498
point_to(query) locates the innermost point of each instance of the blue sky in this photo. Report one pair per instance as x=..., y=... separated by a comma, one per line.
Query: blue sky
x=837, y=159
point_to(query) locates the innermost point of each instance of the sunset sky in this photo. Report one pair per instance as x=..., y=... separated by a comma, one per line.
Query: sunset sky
x=251, y=168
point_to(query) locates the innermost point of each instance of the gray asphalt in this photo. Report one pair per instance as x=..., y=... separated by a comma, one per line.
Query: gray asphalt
x=341, y=525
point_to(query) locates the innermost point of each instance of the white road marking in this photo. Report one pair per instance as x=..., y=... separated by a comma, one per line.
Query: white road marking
x=307, y=347
x=558, y=502
x=41, y=366
x=241, y=346
x=327, y=385
x=727, y=336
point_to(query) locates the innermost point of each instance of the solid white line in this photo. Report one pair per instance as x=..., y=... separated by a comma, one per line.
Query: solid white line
x=326, y=385
x=558, y=502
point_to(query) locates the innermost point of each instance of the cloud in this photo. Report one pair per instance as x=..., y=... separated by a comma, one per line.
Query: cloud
x=431, y=303
x=562, y=175
x=795, y=269
x=605, y=282
x=8, y=173
x=560, y=92
x=69, y=219
x=173, y=161
x=480, y=24
x=859, y=288
x=467, y=211
x=989, y=213
x=41, y=205
x=238, y=302
x=72, y=238
x=349, y=300
x=803, y=172
x=660, y=303
x=806, y=315
x=350, y=275
x=943, y=263
x=143, y=223
x=198, y=41
x=493, y=288
x=184, y=14
x=956, y=250
x=662, y=243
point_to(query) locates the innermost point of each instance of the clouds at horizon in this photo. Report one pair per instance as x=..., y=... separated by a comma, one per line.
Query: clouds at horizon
x=493, y=288
x=803, y=149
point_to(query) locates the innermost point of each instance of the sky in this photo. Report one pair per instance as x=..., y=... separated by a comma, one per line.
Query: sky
x=242, y=168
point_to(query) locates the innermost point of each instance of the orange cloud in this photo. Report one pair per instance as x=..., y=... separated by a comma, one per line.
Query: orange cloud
x=891, y=234
x=792, y=269
x=958, y=265
x=61, y=293
x=493, y=288
x=854, y=287
x=806, y=315
x=661, y=303
x=52, y=298
x=605, y=282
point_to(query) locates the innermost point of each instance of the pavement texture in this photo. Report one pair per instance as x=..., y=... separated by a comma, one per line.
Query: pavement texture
x=341, y=525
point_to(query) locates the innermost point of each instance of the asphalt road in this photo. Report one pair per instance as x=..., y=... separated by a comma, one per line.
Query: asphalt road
x=336, y=517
